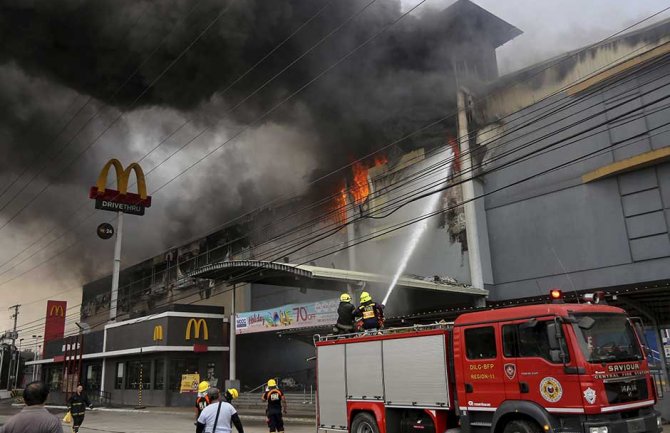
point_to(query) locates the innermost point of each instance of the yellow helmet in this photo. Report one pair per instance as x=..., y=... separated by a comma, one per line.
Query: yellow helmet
x=272, y=382
x=233, y=393
x=344, y=297
x=365, y=297
x=203, y=386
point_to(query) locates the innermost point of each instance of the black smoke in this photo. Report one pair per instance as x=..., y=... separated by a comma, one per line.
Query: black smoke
x=55, y=55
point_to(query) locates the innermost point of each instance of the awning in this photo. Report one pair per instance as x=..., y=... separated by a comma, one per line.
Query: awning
x=317, y=277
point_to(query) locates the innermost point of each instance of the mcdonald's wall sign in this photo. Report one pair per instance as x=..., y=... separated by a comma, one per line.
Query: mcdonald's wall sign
x=196, y=326
x=158, y=333
x=120, y=199
x=54, y=326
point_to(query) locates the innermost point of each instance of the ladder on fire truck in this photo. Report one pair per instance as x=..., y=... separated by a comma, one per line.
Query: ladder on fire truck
x=442, y=325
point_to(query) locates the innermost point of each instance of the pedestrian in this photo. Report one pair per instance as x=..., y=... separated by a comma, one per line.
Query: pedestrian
x=345, y=315
x=202, y=400
x=34, y=418
x=276, y=407
x=218, y=416
x=77, y=405
x=371, y=313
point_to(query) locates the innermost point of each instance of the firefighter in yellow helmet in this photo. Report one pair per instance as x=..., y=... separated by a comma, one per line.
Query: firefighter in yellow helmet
x=370, y=313
x=276, y=407
x=231, y=394
x=203, y=400
x=345, y=316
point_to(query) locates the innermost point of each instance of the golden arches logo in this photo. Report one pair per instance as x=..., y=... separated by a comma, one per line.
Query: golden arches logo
x=197, y=325
x=57, y=310
x=158, y=333
x=121, y=200
x=122, y=177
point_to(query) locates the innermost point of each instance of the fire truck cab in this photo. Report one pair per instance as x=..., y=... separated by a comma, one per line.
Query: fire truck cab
x=528, y=369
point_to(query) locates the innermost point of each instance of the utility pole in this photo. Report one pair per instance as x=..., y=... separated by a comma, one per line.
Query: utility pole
x=117, y=267
x=14, y=316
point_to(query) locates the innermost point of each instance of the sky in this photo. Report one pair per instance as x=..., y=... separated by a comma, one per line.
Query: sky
x=278, y=157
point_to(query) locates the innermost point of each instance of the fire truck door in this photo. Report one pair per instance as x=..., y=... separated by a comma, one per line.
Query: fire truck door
x=482, y=369
x=513, y=389
x=542, y=379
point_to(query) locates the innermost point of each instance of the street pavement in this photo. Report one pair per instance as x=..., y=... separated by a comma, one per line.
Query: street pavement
x=162, y=420
x=159, y=421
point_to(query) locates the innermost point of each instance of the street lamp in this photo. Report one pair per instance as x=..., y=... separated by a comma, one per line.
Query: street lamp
x=37, y=355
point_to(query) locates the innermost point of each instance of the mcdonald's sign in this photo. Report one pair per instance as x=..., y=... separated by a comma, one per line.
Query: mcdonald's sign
x=197, y=325
x=120, y=200
x=54, y=325
x=158, y=333
x=56, y=310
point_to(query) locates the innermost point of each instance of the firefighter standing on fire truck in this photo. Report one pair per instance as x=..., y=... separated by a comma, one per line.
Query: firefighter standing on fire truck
x=371, y=314
x=345, y=315
x=276, y=407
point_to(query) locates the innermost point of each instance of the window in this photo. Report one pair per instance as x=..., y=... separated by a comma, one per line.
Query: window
x=159, y=374
x=179, y=367
x=527, y=340
x=118, y=382
x=509, y=341
x=606, y=337
x=138, y=372
x=480, y=343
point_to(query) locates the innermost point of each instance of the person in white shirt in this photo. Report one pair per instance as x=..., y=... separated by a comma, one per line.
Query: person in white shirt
x=218, y=416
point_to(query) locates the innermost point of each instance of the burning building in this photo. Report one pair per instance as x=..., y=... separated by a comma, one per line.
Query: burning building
x=349, y=232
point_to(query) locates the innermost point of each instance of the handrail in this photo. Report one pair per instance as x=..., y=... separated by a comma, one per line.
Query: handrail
x=386, y=331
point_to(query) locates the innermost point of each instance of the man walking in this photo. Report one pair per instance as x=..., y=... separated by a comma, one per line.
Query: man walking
x=218, y=416
x=276, y=406
x=34, y=418
x=77, y=405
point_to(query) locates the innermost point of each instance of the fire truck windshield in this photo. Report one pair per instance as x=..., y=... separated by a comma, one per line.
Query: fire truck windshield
x=605, y=337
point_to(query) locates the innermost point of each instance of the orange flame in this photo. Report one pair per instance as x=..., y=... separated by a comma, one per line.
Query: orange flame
x=359, y=189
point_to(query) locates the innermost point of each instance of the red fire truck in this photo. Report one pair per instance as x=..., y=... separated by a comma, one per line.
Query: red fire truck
x=528, y=369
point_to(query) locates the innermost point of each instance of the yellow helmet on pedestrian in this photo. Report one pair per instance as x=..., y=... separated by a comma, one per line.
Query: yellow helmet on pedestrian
x=344, y=297
x=272, y=382
x=203, y=386
x=365, y=297
x=233, y=393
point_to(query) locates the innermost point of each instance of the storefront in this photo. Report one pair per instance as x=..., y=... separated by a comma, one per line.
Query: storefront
x=148, y=354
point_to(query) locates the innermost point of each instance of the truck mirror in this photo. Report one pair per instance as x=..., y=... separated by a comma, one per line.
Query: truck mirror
x=556, y=355
x=554, y=334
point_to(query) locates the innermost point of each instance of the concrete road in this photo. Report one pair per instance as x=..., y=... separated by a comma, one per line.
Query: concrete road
x=121, y=422
x=163, y=421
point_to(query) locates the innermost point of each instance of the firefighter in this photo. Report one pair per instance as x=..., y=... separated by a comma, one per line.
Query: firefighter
x=77, y=406
x=276, y=407
x=203, y=400
x=230, y=395
x=371, y=314
x=345, y=315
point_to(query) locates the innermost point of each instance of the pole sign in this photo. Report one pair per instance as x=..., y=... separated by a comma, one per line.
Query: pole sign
x=105, y=231
x=120, y=200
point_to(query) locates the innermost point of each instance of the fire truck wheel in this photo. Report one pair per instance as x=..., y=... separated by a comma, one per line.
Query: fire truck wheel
x=364, y=423
x=522, y=426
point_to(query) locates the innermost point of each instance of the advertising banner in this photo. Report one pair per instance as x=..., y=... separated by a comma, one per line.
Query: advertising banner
x=289, y=316
x=189, y=383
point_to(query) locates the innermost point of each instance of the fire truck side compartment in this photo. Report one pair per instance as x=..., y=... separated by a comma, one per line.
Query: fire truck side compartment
x=364, y=371
x=415, y=372
x=332, y=387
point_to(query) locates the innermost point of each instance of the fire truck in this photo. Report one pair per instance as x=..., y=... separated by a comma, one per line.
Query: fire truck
x=554, y=367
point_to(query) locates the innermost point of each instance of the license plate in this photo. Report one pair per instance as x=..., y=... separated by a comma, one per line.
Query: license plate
x=635, y=425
